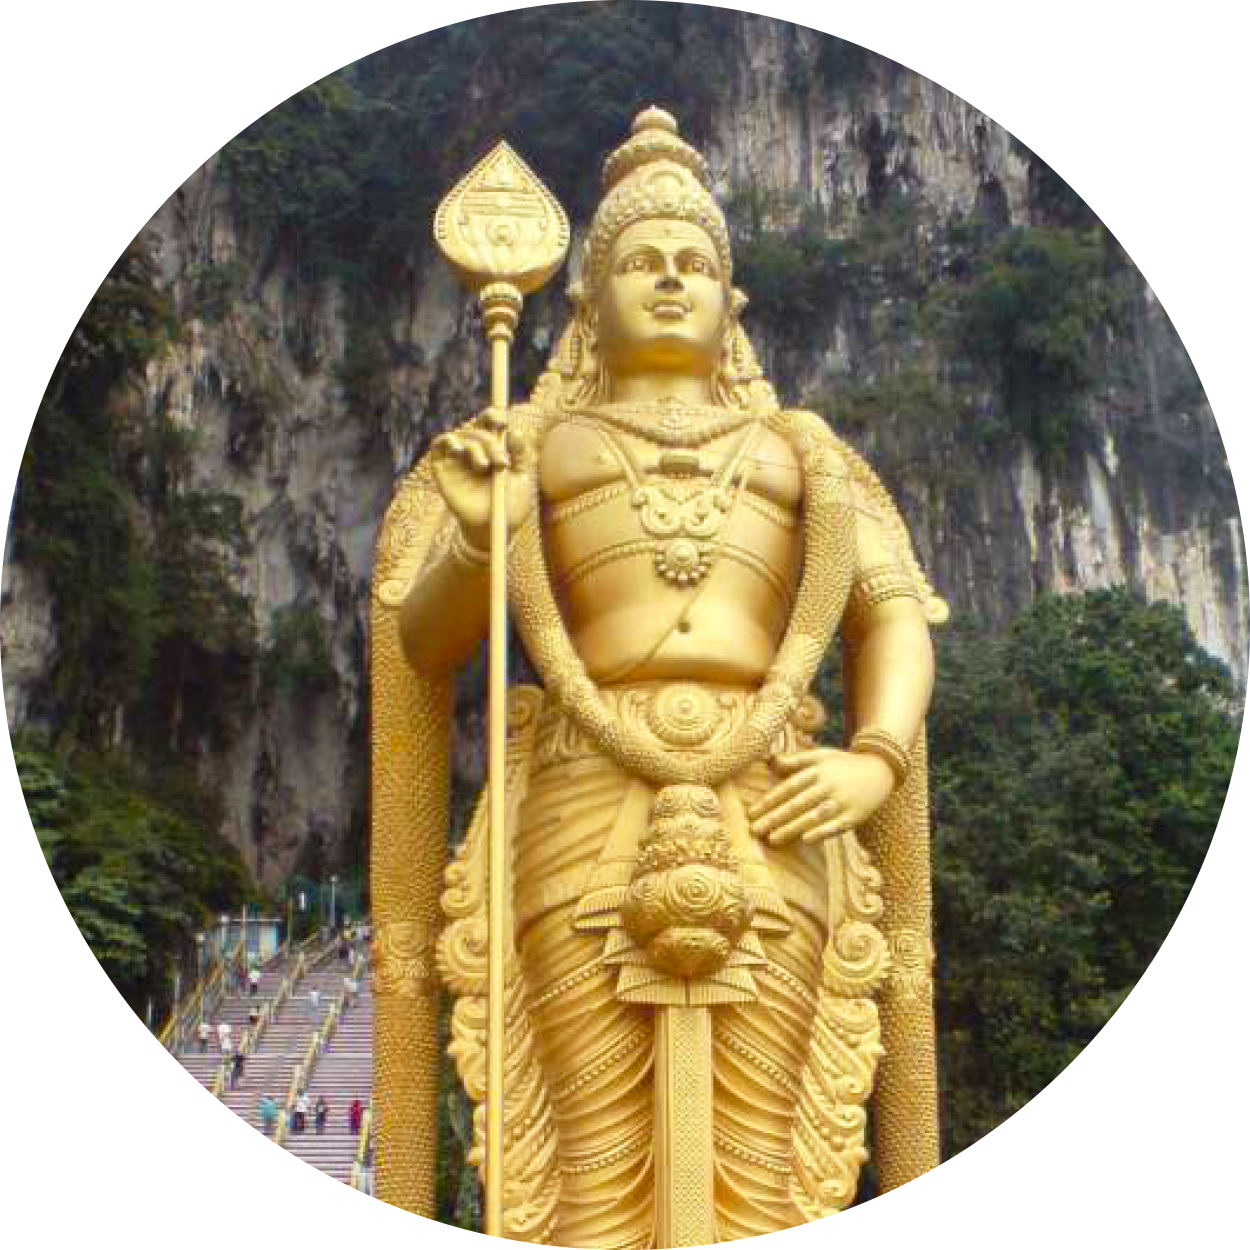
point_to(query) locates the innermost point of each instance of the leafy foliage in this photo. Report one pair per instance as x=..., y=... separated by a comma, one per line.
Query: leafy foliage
x=137, y=869
x=204, y=632
x=149, y=623
x=214, y=287
x=1030, y=314
x=1024, y=310
x=343, y=177
x=797, y=276
x=128, y=322
x=296, y=659
x=842, y=65
x=1079, y=769
x=74, y=516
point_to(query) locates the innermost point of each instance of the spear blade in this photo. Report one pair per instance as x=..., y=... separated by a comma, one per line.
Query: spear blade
x=499, y=223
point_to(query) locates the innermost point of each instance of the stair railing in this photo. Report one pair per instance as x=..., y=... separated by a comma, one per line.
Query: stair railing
x=308, y=957
x=203, y=1000
x=218, y=1087
x=273, y=1004
x=362, y=1165
x=299, y=1081
x=296, y=1084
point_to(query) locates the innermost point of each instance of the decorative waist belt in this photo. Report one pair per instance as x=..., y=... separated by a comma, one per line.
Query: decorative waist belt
x=682, y=717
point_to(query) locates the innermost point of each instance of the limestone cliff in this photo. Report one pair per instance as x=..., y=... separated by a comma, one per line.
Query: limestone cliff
x=290, y=414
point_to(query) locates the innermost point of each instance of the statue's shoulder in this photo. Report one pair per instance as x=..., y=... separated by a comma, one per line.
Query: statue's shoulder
x=817, y=447
x=820, y=449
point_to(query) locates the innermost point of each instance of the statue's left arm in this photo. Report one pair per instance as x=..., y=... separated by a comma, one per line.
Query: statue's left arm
x=889, y=656
x=888, y=678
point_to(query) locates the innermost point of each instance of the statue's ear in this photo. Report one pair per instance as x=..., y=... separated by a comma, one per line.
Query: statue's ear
x=584, y=311
x=738, y=300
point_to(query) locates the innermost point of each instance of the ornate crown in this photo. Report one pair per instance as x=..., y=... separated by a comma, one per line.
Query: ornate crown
x=654, y=173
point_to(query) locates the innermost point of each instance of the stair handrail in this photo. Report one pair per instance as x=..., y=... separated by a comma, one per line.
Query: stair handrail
x=328, y=1029
x=317, y=957
x=271, y=1006
x=299, y=1075
x=204, y=999
x=361, y=1177
x=307, y=958
x=288, y=1104
x=304, y=943
x=287, y=991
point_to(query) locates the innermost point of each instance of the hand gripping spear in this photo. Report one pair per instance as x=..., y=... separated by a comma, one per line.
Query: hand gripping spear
x=505, y=235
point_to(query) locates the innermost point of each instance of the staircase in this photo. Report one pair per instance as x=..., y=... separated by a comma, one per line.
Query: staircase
x=343, y=1072
x=267, y=1068
x=202, y=1066
x=234, y=1008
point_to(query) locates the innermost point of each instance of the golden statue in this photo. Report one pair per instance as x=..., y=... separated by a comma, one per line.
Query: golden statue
x=718, y=944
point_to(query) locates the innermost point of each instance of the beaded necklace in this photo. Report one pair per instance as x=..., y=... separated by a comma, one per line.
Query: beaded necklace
x=670, y=422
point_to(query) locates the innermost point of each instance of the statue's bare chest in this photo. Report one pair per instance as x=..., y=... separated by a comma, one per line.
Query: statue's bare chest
x=578, y=458
x=672, y=560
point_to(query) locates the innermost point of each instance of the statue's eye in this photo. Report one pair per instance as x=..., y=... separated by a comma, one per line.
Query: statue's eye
x=636, y=264
x=698, y=264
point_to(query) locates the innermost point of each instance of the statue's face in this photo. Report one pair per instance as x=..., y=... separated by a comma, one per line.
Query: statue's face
x=663, y=306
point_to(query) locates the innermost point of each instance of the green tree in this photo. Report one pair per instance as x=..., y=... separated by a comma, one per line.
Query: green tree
x=1031, y=313
x=1079, y=768
x=296, y=661
x=75, y=513
x=138, y=870
x=342, y=178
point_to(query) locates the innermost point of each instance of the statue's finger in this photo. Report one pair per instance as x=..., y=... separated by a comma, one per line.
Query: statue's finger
x=458, y=450
x=830, y=829
x=804, y=801
x=493, y=445
x=782, y=791
x=499, y=447
x=478, y=460
x=788, y=761
x=808, y=820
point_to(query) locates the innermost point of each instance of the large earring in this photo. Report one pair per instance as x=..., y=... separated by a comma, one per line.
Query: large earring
x=731, y=345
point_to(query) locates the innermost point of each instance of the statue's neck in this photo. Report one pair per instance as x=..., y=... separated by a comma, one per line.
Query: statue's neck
x=649, y=387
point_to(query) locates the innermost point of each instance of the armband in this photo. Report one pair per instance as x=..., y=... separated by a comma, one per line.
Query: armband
x=464, y=552
x=885, y=581
x=884, y=746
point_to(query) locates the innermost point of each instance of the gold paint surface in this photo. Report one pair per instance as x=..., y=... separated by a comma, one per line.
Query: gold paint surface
x=702, y=997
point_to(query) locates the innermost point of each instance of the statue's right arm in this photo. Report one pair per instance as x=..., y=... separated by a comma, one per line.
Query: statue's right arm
x=444, y=615
x=446, y=610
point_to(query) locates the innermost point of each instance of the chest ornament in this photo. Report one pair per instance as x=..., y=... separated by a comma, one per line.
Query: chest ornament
x=829, y=561
x=680, y=508
x=670, y=422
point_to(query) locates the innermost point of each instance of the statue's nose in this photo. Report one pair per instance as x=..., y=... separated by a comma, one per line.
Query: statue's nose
x=668, y=282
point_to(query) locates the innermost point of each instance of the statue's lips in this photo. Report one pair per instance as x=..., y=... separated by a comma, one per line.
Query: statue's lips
x=670, y=310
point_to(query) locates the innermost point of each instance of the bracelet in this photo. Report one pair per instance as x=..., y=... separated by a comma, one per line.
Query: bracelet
x=884, y=746
x=882, y=582
x=465, y=552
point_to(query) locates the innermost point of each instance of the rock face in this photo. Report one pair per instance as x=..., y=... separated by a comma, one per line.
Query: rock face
x=270, y=387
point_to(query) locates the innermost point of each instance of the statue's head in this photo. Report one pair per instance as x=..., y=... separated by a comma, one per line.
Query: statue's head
x=655, y=292
x=655, y=176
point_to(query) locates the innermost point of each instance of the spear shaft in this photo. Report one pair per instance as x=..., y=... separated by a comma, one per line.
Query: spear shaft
x=500, y=315
x=505, y=234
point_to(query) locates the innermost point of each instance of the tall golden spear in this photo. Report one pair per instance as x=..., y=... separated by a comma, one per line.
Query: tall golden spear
x=505, y=235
